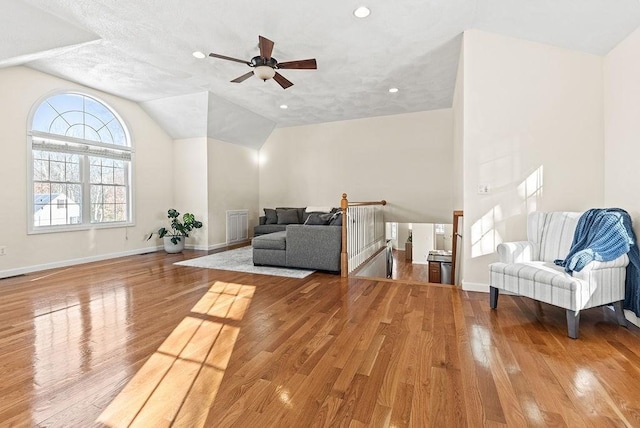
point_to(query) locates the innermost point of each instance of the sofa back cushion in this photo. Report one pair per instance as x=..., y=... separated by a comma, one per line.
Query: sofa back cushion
x=318, y=219
x=287, y=216
x=551, y=233
x=270, y=216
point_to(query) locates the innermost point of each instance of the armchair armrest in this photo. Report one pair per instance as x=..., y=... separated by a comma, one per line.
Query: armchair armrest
x=620, y=263
x=516, y=252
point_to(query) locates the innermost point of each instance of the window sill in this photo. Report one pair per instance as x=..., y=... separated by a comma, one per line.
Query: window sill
x=76, y=228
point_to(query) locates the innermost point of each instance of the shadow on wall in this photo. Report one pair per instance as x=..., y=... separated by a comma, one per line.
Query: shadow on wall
x=485, y=236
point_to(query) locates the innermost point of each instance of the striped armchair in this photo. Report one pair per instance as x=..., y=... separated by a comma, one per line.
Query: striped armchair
x=526, y=268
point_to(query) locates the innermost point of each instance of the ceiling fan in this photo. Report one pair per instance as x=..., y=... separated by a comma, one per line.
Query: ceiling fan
x=264, y=66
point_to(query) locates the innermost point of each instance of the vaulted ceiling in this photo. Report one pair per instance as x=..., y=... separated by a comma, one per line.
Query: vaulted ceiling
x=142, y=50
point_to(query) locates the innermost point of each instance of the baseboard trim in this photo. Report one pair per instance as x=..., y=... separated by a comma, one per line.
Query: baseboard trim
x=72, y=262
x=475, y=286
x=214, y=246
x=217, y=246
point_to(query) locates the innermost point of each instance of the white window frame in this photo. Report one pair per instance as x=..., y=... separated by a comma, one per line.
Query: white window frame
x=85, y=148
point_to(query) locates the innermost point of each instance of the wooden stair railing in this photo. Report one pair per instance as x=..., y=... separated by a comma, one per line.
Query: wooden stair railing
x=362, y=232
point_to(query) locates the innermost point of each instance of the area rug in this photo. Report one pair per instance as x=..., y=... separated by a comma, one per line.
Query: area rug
x=241, y=260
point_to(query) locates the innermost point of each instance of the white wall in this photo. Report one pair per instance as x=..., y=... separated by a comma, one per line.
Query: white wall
x=233, y=185
x=423, y=241
x=21, y=88
x=190, y=187
x=458, y=135
x=403, y=235
x=458, y=162
x=445, y=241
x=405, y=159
x=533, y=132
x=622, y=127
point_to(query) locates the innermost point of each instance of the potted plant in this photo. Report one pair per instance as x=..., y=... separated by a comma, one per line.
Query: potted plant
x=174, y=238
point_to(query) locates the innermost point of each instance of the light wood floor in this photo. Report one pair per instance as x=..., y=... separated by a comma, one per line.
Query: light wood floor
x=405, y=270
x=139, y=341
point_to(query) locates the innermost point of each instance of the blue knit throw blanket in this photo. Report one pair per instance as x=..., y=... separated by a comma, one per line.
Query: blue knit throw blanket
x=604, y=235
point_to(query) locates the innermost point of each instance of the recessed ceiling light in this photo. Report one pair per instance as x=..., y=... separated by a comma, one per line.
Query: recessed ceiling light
x=393, y=90
x=362, y=12
x=284, y=106
x=198, y=54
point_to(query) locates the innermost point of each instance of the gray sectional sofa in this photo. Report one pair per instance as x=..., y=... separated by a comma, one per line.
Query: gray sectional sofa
x=293, y=237
x=300, y=246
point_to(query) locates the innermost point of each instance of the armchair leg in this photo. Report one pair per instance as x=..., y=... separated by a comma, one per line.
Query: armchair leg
x=573, y=323
x=617, y=306
x=493, y=297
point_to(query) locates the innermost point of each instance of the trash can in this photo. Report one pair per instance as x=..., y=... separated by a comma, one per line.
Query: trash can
x=445, y=272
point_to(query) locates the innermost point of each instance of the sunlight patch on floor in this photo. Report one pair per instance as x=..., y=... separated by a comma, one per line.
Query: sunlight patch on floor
x=179, y=382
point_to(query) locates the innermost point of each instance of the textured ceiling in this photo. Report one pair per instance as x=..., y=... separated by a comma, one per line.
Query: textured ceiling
x=144, y=50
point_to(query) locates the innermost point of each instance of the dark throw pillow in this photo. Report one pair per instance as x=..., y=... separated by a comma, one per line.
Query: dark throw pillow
x=272, y=217
x=336, y=219
x=318, y=219
x=287, y=216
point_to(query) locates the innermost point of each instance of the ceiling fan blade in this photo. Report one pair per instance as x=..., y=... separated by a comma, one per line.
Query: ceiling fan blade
x=266, y=47
x=243, y=77
x=228, y=58
x=303, y=64
x=282, y=81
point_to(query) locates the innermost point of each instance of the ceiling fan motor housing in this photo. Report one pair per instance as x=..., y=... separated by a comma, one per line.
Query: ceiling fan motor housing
x=257, y=61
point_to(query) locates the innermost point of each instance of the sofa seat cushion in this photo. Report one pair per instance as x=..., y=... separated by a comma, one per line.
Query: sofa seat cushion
x=538, y=271
x=268, y=228
x=543, y=281
x=271, y=241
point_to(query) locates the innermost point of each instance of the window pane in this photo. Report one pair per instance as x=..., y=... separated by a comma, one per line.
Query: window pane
x=57, y=171
x=121, y=212
x=76, y=131
x=107, y=174
x=98, y=110
x=74, y=118
x=40, y=189
x=96, y=213
x=74, y=194
x=91, y=134
x=66, y=102
x=96, y=175
x=43, y=117
x=96, y=194
x=117, y=131
x=40, y=170
x=73, y=172
x=59, y=126
x=105, y=135
x=109, y=212
x=119, y=176
x=121, y=195
x=109, y=194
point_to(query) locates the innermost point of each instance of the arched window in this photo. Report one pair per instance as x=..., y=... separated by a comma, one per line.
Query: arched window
x=80, y=157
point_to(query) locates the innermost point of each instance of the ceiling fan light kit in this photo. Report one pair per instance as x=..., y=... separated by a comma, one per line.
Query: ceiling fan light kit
x=264, y=66
x=264, y=72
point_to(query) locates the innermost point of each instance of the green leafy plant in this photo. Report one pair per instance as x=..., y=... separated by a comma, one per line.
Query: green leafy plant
x=179, y=228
